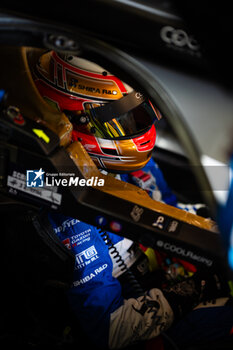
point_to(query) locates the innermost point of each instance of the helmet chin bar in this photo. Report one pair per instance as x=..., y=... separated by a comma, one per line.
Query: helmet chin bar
x=137, y=216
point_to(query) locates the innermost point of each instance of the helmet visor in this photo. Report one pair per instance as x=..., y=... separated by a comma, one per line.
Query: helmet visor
x=113, y=121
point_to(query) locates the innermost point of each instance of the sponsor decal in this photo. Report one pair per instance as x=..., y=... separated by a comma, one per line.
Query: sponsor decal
x=66, y=243
x=66, y=224
x=159, y=222
x=136, y=213
x=173, y=248
x=101, y=220
x=17, y=182
x=74, y=83
x=89, y=277
x=45, y=186
x=80, y=238
x=115, y=226
x=166, y=224
x=179, y=39
x=85, y=257
x=75, y=240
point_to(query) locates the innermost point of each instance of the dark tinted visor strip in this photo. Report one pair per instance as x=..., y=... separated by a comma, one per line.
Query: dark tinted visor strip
x=117, y=108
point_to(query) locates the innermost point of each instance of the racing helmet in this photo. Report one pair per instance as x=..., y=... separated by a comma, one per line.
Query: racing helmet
x=114, y=123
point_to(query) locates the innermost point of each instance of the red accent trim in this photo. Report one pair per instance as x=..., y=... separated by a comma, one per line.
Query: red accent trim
x=67, y=243
x=88, y=141
x=137, y=173
x=19, y=119
x=146, y=141
x=140, y=174
x=145, y=177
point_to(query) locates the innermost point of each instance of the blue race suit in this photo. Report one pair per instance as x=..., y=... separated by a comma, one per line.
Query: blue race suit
x=96, y=295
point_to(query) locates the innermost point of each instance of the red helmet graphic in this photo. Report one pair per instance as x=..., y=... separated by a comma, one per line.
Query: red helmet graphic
x=113, y=122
